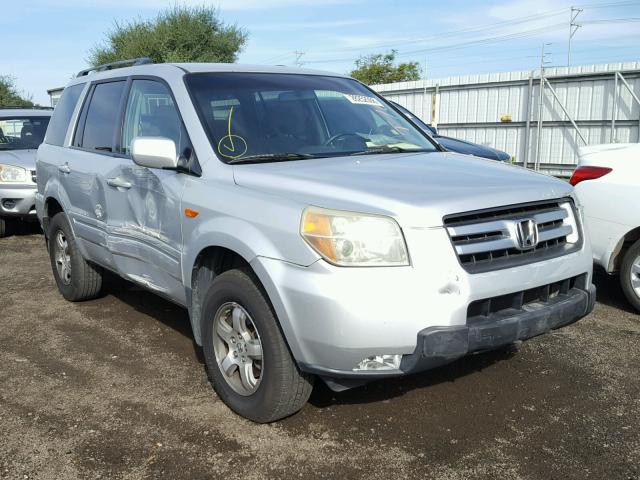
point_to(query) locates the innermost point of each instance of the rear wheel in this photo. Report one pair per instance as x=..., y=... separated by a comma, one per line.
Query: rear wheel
x=630, y=275
x=249, y=362
x=77, y=279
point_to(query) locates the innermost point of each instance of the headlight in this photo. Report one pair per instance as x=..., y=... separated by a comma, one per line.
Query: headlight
x=354, y=239
x=574, y=236
x=11, y=174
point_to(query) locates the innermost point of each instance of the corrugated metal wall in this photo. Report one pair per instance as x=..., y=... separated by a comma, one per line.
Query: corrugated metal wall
x=470, y=107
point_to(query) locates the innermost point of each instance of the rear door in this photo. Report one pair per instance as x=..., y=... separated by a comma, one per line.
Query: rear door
x=145, y=232
x=90, y=161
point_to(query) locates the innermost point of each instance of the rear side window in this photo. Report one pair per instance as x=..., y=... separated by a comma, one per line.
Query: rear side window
x=102, y=117
x=59, y=124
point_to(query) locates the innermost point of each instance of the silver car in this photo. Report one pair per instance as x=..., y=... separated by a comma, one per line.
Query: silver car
x=21, y=133
x=310, y=229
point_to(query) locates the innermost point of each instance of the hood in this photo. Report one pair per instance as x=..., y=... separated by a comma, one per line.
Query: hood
x=462, y=146
x=19, y=158
x=416, y=189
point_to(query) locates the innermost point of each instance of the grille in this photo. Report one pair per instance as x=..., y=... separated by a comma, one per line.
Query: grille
x=531, y=299
x=488, y=240
x=33, y=176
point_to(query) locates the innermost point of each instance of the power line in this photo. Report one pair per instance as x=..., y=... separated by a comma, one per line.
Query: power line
x=454, y=46
x=612, y=20
x=411, y=40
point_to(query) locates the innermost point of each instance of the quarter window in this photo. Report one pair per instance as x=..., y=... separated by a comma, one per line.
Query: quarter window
x=102, y=117
x=61, y=119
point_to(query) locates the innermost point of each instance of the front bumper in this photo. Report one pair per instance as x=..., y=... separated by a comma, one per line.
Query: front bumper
x=440, y=345
x=18, y=200
x=333, y=317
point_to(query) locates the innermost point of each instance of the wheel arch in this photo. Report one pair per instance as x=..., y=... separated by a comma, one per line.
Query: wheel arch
x=210, y=262
x=618, y=253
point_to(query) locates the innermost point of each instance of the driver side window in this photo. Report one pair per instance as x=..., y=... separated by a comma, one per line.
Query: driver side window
x=151, y=113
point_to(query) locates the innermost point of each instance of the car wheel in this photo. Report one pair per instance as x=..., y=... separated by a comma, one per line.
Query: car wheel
x=76, y=278
x=247, y=357
x=630, y=275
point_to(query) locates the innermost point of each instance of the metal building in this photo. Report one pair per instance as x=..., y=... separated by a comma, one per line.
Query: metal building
x=580, y=105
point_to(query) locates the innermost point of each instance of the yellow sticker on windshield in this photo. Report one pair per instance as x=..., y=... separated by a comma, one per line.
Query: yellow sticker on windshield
x=232, y=146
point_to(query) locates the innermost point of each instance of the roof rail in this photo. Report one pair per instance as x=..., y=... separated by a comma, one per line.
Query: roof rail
x=18, y=107
x=110, y=66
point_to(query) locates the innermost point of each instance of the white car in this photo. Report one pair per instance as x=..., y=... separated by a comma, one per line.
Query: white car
x=21, y=133
x=607, y=181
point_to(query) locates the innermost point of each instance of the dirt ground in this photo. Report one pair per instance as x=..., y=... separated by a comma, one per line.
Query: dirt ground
x=116, y=388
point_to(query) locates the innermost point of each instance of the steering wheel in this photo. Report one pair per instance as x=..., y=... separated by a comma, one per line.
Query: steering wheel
x=342, y=135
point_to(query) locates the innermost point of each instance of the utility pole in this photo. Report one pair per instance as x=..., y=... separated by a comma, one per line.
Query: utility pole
x=298, y=55
x=536, y=166
x=573, y=28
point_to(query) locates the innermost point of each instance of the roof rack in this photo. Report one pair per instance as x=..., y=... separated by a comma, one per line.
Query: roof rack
x=110, y=66
x=18, y=107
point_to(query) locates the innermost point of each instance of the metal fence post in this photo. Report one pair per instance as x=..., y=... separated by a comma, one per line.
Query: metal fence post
x=536, y=166
x=527, y=133
x=614, y=108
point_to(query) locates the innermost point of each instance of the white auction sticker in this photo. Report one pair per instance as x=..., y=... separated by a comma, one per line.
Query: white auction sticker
x=362, y=100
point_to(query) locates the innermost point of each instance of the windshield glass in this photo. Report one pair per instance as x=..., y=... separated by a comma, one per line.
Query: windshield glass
x=271, y=117
x=22, y=133
x=427, y=128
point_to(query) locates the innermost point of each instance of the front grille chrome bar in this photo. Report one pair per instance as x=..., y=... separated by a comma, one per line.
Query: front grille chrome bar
x=486, y=240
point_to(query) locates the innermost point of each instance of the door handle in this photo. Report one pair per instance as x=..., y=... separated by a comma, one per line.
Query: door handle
x=64, y=169
x=118, y=183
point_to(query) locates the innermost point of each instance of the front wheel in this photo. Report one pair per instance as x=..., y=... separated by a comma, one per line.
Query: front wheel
x=630, y=275
x=76, y=278
x=249, y=362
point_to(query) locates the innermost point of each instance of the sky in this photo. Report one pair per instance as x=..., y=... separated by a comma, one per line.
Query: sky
x=46, y=42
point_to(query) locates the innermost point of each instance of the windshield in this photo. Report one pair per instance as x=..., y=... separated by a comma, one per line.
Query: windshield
x=275, y=117
x=22, y=133
x=427, y=128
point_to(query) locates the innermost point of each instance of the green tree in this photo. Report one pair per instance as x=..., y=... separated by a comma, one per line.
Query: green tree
x=9, y=95
x=178, y=34
x=380, y=68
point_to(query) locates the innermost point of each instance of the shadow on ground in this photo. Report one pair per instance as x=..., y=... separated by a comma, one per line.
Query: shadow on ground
x=610, y=291
x=18, y=228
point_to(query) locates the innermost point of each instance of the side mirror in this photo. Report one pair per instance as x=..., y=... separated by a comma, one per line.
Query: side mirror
x=154, y=152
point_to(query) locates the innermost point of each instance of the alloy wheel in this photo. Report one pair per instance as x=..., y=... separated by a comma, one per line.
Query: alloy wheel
x=635, y=276
x=238, y=348
x=62, y=257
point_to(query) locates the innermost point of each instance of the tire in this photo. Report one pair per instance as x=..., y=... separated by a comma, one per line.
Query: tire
x=630, y=275
x=277, y=388
x=77, y=279
x=4, y=230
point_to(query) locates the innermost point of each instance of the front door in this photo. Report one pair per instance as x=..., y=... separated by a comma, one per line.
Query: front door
x=145, y=233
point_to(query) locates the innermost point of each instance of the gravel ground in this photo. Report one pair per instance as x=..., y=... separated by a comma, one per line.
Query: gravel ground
x=116, y=388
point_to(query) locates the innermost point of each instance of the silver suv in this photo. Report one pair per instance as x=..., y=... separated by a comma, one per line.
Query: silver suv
x=21, y=133
x=310, y=228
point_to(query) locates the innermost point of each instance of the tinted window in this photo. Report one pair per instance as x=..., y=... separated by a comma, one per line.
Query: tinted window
x=151, y=113
x=62, y=115
x=22, y=133
x=102, y=117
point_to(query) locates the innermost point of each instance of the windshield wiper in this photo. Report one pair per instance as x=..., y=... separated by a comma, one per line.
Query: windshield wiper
x=272, y=157
x=390, y=149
